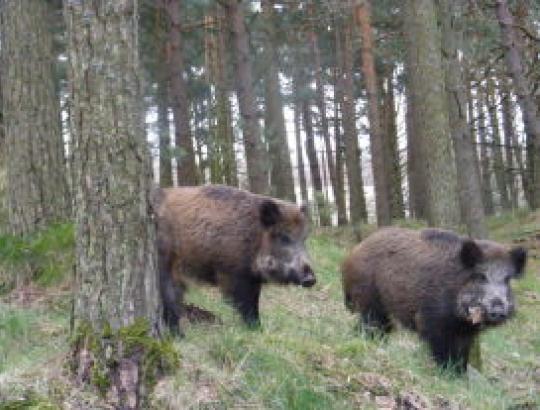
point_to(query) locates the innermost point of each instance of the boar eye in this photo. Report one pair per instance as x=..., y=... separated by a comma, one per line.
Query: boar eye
x=479, y=277
x=285, y=239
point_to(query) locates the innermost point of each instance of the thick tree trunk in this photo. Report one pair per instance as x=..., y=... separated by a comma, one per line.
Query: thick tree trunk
x=485, y=163
x=282, y=183
x=382, y=200
x=431, y=111
x=529, y=109
x=186, y=167
x=353, y=155
x=470, y=196
x=498, y=162
x=116, y=290
x=257, y=164
x=36, y=170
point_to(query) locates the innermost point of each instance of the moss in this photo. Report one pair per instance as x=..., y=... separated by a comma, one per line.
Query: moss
x=108, y=347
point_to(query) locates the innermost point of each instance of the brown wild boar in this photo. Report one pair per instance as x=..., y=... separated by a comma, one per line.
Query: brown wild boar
x=445, y=287
x=230, y=238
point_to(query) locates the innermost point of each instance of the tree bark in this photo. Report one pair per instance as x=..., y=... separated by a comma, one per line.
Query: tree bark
x=257, y=165
x=468, y=178
x=431, y=111
x=353, y=155
x=282, y=183
x=36, y=169
x=185, y=160
x=382, y=200
x=116, y=288
x=529, y=109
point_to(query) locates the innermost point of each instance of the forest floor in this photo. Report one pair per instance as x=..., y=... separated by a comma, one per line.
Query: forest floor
x=307, y=355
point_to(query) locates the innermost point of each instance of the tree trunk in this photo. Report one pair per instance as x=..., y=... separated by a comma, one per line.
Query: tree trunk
x=164, y=133
x=282, y=183
x=431, y=112
x=382, y=200
x=298, y=138
x=353, y=155
x=36, y=170
x=509, y=137
x=315, y=173
x=392, y=161
x=529, y=109
x=468, y=178
x=487, y=191
x=185, y=160
x=498, y=162
x=257, y=165
x=116, y=308
x=338, y=137
x=321, y=105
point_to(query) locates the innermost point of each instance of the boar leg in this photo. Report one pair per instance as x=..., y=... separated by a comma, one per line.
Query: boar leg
x=244, y=294
x=375, y=320
x=171, y=293
x=451, y=350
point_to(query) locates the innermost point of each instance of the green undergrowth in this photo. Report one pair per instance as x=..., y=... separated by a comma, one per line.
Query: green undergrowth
x=45, y=258
x=308, y=354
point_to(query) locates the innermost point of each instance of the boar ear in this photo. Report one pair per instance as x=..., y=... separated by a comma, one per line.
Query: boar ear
x=470, y=253
x=270, y=213
x=519, y=259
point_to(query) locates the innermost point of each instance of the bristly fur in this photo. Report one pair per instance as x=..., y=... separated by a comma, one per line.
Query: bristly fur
x=415, y=278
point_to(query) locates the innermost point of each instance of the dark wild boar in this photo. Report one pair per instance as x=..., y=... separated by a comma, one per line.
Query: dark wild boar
x=230, y=238
x=445, y=287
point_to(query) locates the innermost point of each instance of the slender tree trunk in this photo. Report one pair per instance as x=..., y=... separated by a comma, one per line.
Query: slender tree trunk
x=353, y=155
x=382, y=200
x=487, y=190
x=298, y=138
x=116, y=289
x=321, y=105
x=338, y=137
x=431, y=120
x=164, y=133
x=468, y=178
x=257, y=165
x=36, y=171
x=509, y=137
x=472, y=127
x=186, y=168
x=392, y=161
x=314, y=164
x=529, y=109
x=498, y=162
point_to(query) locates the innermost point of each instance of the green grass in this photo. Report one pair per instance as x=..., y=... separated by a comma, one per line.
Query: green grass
x=307, y=354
